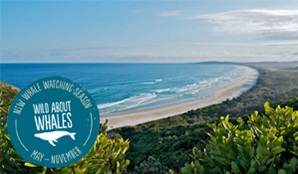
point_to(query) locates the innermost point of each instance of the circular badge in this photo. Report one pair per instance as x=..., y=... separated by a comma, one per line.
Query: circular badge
x=53, y=122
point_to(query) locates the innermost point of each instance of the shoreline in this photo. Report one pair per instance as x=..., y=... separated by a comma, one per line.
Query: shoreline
x=135, y=118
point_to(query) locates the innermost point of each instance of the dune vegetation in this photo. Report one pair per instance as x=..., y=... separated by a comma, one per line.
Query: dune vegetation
x=169, y=142
x=242, y=135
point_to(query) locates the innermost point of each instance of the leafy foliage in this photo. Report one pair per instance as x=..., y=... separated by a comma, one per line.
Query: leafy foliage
x=170, y=147
x=168, y=143
x=266, y=143
x=106, y=156
x=170, y=140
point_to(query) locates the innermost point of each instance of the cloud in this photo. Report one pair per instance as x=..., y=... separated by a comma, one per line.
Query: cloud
x=170, y=13
x=58, y=54
x=95, y=47
x=272, y=24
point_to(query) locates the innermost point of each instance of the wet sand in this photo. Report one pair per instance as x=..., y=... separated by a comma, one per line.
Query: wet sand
x=220, y=95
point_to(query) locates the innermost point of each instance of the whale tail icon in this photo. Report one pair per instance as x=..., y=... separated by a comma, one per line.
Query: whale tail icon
x=72, y=135
x=52, y=143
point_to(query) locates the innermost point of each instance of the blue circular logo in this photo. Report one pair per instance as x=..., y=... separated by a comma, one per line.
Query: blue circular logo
x=53, y=122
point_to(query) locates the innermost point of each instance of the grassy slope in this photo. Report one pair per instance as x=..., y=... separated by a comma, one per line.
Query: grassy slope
x=170, y=140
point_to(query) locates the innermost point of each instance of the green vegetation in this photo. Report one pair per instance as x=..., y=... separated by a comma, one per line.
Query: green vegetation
x=265, y=143
x=106, y=156
x=199, y=141
x=170, y=141
x=171, y=147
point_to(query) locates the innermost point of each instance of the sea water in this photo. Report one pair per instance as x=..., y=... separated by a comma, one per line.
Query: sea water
x=122, y=88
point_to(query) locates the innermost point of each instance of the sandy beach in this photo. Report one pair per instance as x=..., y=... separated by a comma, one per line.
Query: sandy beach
x=220, y=95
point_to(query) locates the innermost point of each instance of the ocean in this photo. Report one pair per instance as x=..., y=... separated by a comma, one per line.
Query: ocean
x=124, y=88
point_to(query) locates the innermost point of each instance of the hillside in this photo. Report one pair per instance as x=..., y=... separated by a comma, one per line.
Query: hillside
x=168, y=143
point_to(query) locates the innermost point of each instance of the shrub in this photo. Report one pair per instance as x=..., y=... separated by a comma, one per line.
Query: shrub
x=265, y=143
x=149, y=166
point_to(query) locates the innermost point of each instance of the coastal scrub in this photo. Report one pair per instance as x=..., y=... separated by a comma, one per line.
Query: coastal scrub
x=265, y=143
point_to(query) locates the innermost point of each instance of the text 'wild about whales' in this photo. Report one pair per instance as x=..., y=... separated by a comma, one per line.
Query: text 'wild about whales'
x=54, y=116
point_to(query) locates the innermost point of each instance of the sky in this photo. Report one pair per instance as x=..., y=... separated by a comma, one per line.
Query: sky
x=149, y=31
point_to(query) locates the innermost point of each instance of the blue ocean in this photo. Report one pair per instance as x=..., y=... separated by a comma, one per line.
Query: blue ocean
x=121, y=88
